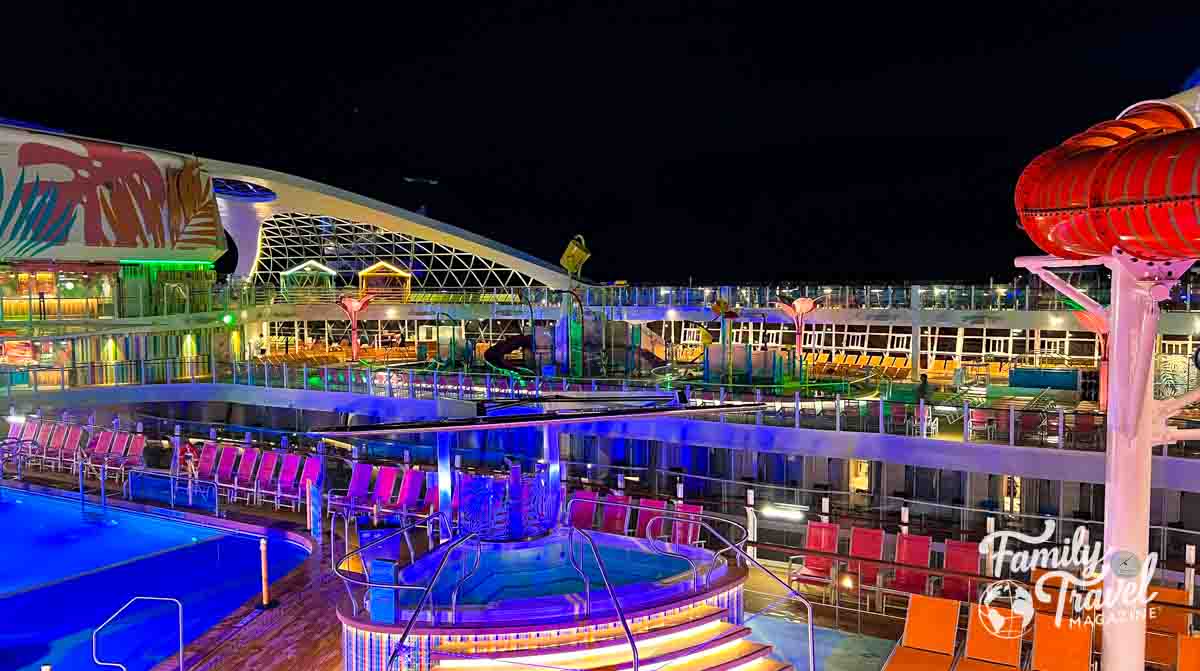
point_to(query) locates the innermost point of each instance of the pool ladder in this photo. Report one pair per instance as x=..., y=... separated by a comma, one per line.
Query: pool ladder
x=96, y=631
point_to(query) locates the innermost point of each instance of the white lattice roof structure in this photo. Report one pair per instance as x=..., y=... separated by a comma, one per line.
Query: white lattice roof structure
x=310, y=221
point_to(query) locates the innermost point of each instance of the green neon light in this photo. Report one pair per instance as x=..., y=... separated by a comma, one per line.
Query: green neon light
x=157, y=262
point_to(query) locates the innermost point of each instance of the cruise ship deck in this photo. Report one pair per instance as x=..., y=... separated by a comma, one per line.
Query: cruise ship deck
x=386, y=443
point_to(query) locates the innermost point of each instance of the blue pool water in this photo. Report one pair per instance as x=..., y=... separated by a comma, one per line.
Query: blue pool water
x=64, y=571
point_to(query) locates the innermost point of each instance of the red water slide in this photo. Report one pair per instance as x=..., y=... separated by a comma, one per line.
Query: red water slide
x=1132, y=183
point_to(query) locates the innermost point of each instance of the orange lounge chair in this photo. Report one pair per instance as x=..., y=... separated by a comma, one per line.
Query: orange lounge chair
x=1065, y=648
x=986, y=651
x=1167, y=626
x=1188, y=655
x=930, y=633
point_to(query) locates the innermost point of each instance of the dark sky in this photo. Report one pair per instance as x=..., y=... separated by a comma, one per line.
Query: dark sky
x=713, y=140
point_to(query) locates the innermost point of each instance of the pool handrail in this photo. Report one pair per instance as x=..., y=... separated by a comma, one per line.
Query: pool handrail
x=96, y=631
x=347, y=580
x=412, y=620
x=607, y=585
x=744, y=556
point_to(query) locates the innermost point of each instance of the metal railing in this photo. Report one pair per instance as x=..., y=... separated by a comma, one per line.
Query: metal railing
x=347, y=580
x=607, y=586
x=97, y=630
x=196, y=490
x=412, y=620
x=743, y=556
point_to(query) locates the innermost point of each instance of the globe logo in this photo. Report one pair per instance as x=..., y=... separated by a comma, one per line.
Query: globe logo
x=1009, y=622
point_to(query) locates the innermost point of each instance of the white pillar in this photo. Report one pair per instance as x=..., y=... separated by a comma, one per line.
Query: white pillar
x=1134, y=315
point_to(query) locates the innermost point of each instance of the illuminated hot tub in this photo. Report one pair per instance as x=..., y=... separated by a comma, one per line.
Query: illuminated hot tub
x=528, y=601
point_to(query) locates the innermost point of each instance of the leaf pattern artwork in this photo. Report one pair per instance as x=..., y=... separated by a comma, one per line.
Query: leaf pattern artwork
x=33, y=218
x=192, y=217
x=121, y=192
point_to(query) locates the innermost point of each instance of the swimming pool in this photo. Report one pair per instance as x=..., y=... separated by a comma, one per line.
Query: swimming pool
x=534, y=580
x=63, y=571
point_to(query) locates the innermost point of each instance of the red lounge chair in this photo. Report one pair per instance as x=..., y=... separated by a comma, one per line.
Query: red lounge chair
x=14, y=429
x=584, y=512
x=354, y=495
x=295, y=493
x=614, y=519
x=243, y=479
x=821, y=537
x=912, y=550
x=266, y=475
x=865, y=544
x=686, y=533
x=963, y=557
x=644, y=517
x=287, y=476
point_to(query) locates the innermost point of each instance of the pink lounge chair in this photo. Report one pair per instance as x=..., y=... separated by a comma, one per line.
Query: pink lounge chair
x=686, y=533
x=821, y=537
x=29, y=432
x=409, y=499
x=288, y=470
x=644, y=517
x=134, y=458
x=430, y=502
x=206, y=467
x=45, y=429
x=385, y=487
x=120, y=443
x=69, y=452
x=266, y=475
x=243, y=479
x=52, y=454
x=14, y=429
x=584, y=512
x=296, y=492
x=355, y=495
x=614, y=519
x=99, y=448
x=228, y=458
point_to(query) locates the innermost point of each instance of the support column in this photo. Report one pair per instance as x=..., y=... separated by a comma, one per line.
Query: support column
x=551, y=453
x=445, y=441
x=1134, y=323
x=915, y=342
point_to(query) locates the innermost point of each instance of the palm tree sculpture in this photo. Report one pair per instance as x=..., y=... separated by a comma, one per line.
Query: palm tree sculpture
x=353, y=306
x=796, y=310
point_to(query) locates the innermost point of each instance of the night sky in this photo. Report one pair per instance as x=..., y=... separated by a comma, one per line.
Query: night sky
x=703, y=140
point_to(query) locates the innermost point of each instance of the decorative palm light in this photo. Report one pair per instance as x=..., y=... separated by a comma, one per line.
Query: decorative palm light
x=797, y=310
x=353, y=306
